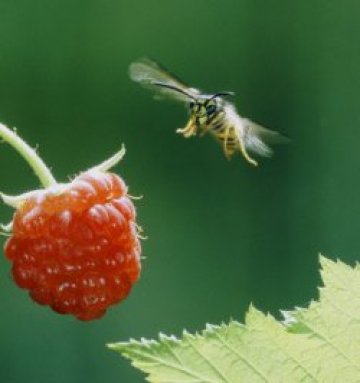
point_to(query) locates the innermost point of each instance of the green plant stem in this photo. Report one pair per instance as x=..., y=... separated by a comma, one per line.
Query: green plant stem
x=29, y=154
x=112, y=161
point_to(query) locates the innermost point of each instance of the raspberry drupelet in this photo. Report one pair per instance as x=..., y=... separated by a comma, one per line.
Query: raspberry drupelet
x=75, y=246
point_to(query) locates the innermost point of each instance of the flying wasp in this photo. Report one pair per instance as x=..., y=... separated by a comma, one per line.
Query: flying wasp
x=209, y=113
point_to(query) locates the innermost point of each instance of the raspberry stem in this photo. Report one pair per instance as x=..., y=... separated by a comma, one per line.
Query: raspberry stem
x=112, y=161
x=29, y=154
x=6, y=229
x=15, y=200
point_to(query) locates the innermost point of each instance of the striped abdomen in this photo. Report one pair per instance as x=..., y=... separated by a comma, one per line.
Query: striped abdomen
x=224, y=132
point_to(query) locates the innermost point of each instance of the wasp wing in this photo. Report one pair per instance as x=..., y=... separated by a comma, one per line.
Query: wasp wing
x=257, y=138
x=153, y=76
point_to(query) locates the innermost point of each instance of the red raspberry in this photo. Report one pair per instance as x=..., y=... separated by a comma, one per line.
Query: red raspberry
x=75, y=246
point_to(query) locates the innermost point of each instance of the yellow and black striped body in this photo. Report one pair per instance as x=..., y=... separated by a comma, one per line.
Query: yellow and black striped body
x=220, y=119
x=223, y=131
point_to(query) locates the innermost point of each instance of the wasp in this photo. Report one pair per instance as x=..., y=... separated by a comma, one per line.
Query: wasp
x=208, y=113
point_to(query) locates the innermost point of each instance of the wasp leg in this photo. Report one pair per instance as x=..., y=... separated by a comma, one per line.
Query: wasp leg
x=246, y=155
x=189, y=130
x=243, y=149
x=227, y=152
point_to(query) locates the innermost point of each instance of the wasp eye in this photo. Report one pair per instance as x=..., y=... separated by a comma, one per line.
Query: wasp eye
x=191, y=104
x=210, y=109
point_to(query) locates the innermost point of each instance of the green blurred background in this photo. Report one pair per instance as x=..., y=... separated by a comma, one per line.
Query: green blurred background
x=221, y=234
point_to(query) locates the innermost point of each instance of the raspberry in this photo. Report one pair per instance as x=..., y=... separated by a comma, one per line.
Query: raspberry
x=76, y=250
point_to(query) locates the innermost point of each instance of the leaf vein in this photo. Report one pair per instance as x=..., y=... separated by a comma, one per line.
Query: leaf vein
x=242, y=357
x=209, y=363
x=331, y=344
x=171, y=365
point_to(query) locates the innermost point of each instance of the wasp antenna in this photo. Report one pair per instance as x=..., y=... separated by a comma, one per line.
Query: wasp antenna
x=164, y=85
x=219, y=94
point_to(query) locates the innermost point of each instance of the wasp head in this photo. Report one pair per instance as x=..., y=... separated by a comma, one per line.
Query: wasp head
x=204, y=108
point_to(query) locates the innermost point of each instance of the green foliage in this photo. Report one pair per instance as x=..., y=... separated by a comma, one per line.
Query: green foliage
x=318, y=344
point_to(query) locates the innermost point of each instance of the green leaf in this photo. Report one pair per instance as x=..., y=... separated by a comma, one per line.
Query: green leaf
x=318, y=344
